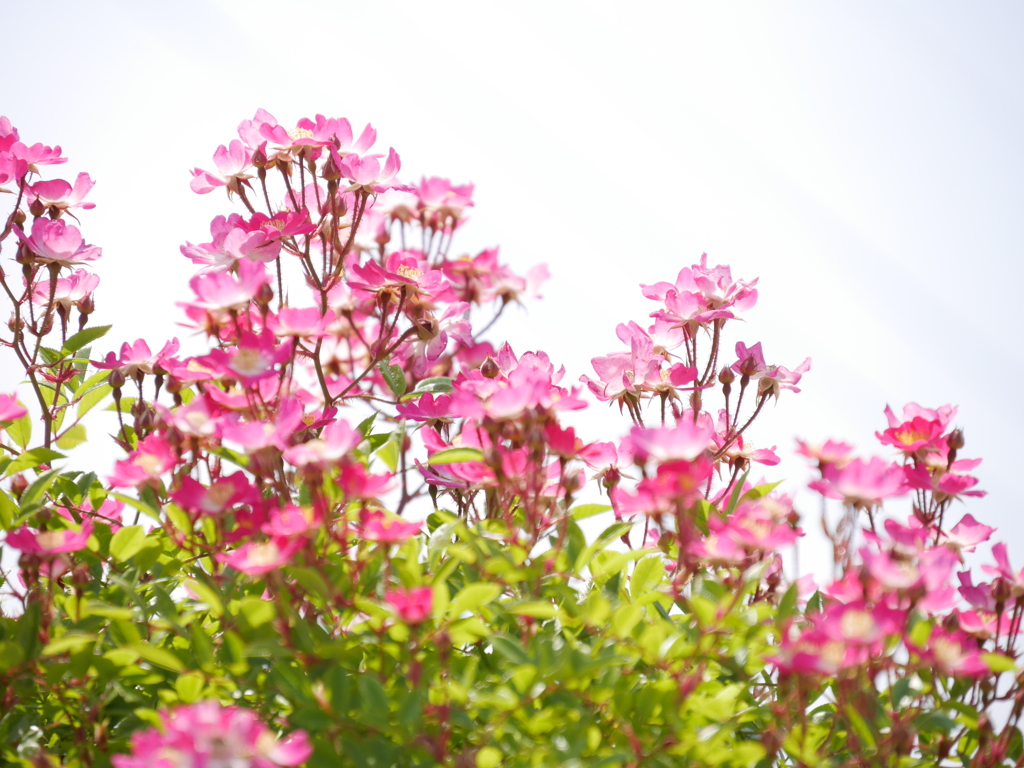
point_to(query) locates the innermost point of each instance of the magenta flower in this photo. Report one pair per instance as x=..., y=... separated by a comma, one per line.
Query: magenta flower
x=335, y=442
x=254, y=358
x=56, y=242
x=232, y=162
x=377, y=526
x=10, y=409
x=49, y=543
x=209, y=735
x=257, y=558
x=830, y=452
x=365, y=172
x=954, y=653
x=11, y=170
x=153, y=457
x=221, y=495
x=60, y=195
x=686, y=440
x=75, y=290
x=413, y=606
x=137, y=358
x=861, y=483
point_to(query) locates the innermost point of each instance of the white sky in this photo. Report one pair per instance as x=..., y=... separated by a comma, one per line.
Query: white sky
x=863, y=159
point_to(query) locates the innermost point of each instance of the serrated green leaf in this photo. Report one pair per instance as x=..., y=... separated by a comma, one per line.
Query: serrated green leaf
x=456, y=456
x=92, y=398
x=647, y=575
x=83, y=337
x=394, y=377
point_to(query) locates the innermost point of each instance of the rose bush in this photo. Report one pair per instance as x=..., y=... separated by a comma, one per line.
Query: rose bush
x=349, y=532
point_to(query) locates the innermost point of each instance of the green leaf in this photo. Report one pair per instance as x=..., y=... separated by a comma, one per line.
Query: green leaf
x=20, y=430
x=608, y=535
x=11, y=655
x=394, y=376
x=472, y=597
x=256, y=611
x=161, y=657
x=761, y=491
x=928, y=722
x=71, y=642
x=997, y=662
x=92, y=398
x=207, y=595
x=737, y=491
x=8, y=511
x=189, y=687
x=434, y=385
x=456, y=456
x=647, y=575
x=583, y=511
x=32, y=459
x=127, y=542
x=538, y=609
x=390, y=452
x=84, y=337
x=73, y=436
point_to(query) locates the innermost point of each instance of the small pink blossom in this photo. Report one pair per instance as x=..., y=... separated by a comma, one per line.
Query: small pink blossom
x=59, y=195
x=413, y=606
x=232, y=163
x=10, y=409
x=862, y=483
x=49, y=543
x=57, y=242
x=209, y=735
x=378, y=526
x=153, y=458
x=257, y=558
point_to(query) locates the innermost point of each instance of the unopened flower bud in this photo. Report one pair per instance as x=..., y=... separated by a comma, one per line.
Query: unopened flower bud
x=696, y=402
x=173, y=385
x=15, y=324
x=36, y=208
x=955, y=439
x=330, y=171
x=19, y=484
x=427, y=328
x=259, y=159
x=749, y=366
x=489, y=369
x=145, y=421
x=1001, y=591
x=116, y=379
x=19, y=217
x=726, y=376
x=25, y=257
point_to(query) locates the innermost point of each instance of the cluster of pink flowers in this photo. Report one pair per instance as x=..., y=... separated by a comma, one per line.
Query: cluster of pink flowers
x=208, y=735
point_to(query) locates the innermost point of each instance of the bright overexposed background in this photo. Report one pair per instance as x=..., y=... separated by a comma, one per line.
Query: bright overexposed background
x=863, y=159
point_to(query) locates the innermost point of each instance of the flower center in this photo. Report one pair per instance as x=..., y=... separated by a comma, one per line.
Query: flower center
x=300, y=133
x=409, y=273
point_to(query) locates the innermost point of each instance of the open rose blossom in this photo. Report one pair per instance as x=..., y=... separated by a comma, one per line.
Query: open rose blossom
x=213, y=736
